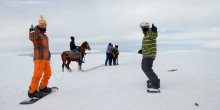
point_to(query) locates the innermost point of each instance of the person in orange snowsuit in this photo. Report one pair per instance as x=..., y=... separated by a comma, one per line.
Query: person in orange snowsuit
x=41, y=59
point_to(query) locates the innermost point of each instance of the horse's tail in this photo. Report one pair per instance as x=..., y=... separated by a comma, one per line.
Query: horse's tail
x=63, y=57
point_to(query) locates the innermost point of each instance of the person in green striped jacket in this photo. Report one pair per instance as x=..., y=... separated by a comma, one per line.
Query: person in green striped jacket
x=149, y=51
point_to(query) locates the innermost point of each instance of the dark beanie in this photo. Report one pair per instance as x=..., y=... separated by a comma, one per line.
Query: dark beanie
x=72, y=38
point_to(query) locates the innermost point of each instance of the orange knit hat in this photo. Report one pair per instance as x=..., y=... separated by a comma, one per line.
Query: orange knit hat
x=42, y=21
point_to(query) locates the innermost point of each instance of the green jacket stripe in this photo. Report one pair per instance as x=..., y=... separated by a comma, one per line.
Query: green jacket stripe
x=149, y=44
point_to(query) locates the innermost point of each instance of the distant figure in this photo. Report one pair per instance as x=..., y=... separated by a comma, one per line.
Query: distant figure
x=109, y=54
x=74, y=49
x=115, y=53
x=149, y=50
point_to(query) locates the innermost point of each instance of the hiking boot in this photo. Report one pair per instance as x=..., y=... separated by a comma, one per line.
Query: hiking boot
x=149, y=84
x=45, y=90
x=81, y=61
x=157, y=85
x=35, y=94
x=153, y=85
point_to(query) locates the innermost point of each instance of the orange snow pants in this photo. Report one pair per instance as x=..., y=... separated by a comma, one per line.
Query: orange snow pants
x=40, y=67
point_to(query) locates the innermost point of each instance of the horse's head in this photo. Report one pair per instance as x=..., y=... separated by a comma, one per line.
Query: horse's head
x=86, y=45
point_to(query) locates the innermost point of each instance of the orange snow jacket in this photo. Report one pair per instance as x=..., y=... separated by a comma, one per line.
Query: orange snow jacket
x=41, y=45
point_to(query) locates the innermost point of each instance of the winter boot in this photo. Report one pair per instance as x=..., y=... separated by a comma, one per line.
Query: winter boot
x=45, y=90
x=35, y=94
x=81, y=61
x=149, y=84
x=157, y=85
x=153, y=87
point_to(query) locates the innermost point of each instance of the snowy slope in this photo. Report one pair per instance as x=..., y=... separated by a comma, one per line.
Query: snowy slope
x=119, y=87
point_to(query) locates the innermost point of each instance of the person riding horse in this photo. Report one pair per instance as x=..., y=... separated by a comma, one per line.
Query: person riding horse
x=68, y=56
x=74, y=49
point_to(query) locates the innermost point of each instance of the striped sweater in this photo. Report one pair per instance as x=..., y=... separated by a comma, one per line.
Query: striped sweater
x=149, y=44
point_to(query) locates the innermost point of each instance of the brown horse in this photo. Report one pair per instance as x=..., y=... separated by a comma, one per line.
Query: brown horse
x=115, y=53
x=66, y=57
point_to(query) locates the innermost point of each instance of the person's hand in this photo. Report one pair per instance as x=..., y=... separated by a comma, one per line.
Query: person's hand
x=32, y=29
x=154, y=28
x=49, y=55
x=140, y=51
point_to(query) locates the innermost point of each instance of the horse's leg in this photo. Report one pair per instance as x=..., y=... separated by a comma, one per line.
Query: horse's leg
x=117, y=60
x=68, y=65
x=63, y=65
x=64, y=61
x=79, y=66
x=114, y=61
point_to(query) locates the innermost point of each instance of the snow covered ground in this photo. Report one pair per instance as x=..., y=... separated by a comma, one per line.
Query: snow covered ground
x=119, y=87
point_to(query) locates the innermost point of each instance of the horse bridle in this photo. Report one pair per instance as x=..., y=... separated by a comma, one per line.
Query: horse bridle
x=86, y=47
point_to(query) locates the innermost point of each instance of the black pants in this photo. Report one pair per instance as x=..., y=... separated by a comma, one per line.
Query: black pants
x=108, y=59
x=147, y=64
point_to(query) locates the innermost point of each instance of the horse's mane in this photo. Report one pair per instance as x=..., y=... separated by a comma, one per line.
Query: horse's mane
x=84, y=43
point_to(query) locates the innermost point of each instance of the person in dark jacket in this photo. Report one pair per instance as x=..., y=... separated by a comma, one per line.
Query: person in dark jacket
x=149, y=50
x=109, y=54
x=74, y=49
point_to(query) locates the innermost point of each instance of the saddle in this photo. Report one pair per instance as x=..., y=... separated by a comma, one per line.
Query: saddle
x=72, y=54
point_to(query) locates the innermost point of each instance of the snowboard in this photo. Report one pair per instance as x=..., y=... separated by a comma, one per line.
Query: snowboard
x=33, y=100
x=154, y=91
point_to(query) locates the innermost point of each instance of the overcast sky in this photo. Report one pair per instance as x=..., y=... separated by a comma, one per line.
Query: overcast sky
x=184, y=24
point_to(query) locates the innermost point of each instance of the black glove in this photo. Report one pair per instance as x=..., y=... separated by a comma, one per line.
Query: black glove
x=49, y=56
x=154, y=28
x=140, y=51
x=32, y=29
